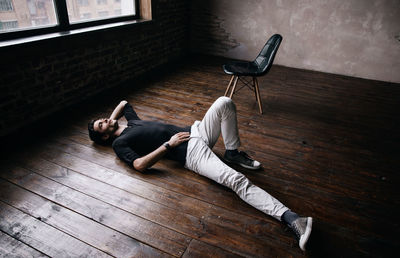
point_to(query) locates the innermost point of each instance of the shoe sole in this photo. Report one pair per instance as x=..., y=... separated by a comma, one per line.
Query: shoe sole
x=245, y=166
x=304, y=238
x=248, y=167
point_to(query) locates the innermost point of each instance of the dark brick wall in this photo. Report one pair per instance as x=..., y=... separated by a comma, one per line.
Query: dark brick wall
x=38, y=79
x=208, y=35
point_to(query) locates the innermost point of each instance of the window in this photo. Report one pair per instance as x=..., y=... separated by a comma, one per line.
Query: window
x=82, y=2
x=99, y=9
x=5, y=5
x=103, y=13
x=26, y=14
x=86, y=16
x=20, y=18
x=8, y=25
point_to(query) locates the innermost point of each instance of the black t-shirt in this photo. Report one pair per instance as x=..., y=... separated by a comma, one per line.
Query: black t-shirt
x=142, y=137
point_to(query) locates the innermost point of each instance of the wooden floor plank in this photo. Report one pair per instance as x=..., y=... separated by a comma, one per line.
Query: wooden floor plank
x=41, y=236
x=200, y=249
x=94, y=234
x=11, y=247
x=138, y=228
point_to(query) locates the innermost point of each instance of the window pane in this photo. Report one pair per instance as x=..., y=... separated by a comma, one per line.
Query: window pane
x=85, y=10
x=26, y=14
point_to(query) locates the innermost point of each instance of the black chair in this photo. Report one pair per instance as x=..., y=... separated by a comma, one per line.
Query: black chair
x=259, y=67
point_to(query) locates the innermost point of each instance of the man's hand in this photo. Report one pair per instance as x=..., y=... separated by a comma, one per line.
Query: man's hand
x=150, y=159
x=178, y=139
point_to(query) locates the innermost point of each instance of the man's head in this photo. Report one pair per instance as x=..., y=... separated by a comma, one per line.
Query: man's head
x=102, y=130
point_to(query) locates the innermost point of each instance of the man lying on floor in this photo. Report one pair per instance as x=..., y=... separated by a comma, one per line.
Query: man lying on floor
x=142, y=143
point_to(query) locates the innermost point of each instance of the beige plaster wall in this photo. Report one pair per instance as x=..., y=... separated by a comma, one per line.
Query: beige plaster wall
x=359, y=38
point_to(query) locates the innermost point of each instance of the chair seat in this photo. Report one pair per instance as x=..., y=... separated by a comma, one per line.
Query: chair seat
x=241, y=68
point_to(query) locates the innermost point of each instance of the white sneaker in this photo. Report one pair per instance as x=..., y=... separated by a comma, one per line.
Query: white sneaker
x=302, y=227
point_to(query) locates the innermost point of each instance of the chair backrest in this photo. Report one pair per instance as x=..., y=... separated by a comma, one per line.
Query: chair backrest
x=266, y=57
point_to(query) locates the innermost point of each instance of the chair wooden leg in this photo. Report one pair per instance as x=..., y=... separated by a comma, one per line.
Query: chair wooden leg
x=229, y=85
x=257, y=89
x=254, y=88
x=234, y=86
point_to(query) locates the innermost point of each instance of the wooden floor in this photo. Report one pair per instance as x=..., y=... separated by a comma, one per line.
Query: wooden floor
x=329, y=146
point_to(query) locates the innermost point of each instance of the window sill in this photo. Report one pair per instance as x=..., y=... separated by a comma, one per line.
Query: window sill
x=49, y=36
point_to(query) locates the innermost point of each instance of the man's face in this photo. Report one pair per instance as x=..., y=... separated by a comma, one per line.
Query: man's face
x=105, y=126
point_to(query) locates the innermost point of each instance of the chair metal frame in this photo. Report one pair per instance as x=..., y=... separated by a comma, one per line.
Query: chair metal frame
x=252, y=85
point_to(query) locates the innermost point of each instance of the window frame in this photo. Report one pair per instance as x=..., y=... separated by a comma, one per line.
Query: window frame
x=64, y=24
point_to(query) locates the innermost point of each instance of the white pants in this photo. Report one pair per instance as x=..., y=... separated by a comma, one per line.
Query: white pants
x=222, y=117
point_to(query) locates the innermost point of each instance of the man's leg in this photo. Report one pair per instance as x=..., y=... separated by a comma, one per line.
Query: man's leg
x=220, y=117
x=203, y=161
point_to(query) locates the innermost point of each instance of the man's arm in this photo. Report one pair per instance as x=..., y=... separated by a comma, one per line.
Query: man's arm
x=150, y=159
x=117, y=113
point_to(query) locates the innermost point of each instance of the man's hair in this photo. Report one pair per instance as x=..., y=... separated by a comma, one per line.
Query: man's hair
x=96, y=136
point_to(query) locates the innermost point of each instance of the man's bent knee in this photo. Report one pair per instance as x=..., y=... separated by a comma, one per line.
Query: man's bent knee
x=224, y=99
x=226, y=103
